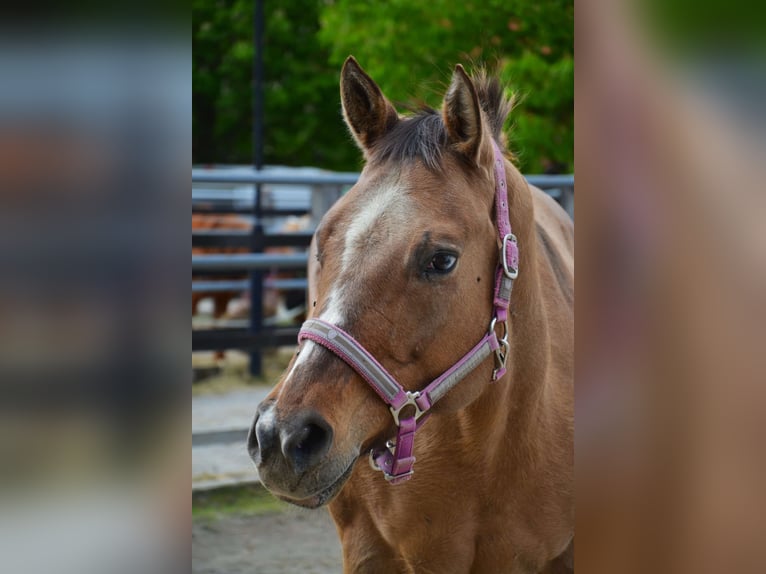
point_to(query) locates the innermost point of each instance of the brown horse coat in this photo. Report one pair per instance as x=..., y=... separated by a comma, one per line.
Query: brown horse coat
x=493, y=483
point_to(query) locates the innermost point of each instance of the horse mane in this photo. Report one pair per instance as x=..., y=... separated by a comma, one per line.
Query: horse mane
x=421, y=134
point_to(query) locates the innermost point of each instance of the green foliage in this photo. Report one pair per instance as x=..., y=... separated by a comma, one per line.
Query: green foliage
x=410, y=46
x=302, y=123
x=407, y=46
x=221, y=90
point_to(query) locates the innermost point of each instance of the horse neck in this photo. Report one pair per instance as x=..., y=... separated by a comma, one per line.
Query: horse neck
x=527, y=317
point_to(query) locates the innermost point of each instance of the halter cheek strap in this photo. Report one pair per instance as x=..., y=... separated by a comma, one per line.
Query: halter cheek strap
x=397, y=460
x=508, y=267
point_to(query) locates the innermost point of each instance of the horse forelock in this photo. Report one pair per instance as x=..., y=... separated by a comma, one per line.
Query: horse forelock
x=422, y=134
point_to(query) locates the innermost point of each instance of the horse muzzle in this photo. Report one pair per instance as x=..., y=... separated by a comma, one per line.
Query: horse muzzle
x=294, y=457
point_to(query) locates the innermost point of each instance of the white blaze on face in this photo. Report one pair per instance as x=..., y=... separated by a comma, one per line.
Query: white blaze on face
x=306, y=349
x=388, y=199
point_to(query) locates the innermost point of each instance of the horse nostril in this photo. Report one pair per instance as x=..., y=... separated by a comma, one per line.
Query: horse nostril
x=310, y=438
x=308, y=443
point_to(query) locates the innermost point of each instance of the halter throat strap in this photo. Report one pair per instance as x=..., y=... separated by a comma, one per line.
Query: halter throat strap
x=411, y=409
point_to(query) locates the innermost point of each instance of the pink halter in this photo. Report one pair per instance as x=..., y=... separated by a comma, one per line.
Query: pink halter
x=396, y=460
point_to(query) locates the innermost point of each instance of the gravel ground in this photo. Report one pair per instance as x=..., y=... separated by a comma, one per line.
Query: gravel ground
x=293, y=541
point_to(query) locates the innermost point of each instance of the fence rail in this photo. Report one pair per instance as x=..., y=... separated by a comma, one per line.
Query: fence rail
x=239, y=238
x=543, y=181
x=249, y=261
x=260, y=177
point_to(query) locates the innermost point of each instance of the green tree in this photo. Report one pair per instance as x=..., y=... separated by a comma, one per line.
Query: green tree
x=410, y=46
x=221, y=89
x=302, y=122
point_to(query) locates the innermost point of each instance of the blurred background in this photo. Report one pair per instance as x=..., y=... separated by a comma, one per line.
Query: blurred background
x=670, y=378
x=94, y=381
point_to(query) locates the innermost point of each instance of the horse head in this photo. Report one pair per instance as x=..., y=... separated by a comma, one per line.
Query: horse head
x=405, y=264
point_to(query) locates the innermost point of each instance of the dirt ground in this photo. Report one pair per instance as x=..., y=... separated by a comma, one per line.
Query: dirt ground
x=291, y=541
x=244, y=530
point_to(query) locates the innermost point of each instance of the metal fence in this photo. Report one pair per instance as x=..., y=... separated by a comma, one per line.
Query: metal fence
x=325, y=188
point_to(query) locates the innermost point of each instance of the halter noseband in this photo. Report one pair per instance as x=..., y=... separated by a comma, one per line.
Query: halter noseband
x=396, y=460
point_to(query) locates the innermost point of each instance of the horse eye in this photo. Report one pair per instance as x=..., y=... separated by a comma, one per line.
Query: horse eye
x=442, y=262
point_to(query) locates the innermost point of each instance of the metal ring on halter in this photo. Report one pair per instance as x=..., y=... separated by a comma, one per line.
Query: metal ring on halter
x=504, y=339
x=410, y=401
x=372, y=462
x=390, y=445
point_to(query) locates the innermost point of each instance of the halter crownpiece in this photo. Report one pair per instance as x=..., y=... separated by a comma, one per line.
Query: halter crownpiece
x=396, y=460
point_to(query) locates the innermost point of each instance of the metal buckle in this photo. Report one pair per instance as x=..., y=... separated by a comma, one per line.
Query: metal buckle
x=410, y=401
x=511, y=273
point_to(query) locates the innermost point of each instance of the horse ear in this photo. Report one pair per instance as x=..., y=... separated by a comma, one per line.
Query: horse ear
x=461, y=113
x=366, y=110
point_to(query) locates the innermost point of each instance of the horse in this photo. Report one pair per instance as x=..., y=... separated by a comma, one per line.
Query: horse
x=440, y=324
